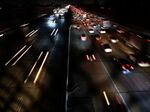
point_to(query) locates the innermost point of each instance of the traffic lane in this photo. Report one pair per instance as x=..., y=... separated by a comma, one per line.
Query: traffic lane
x=21, y=71
x=79, y=91
x=31, y=53
x=138, y=70
x=13, y=80
x=104, y=39
x=81, y=45
x=19, y=37
x=136, y=86
x=38, y=39
x=137, y=101
x=96, y=71
x=79, y=88
x=132, y=82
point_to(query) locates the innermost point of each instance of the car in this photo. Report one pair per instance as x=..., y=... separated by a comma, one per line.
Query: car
x=78, y=27
x=107, y=48
x=94, y=25
x=113, y=39
x=142, y=61
x=87, y=19
x=83, y=37
x=102, y=31
x=91, y=30
x=125, y=65
x=97, y=37
x=115, y=26
x=119, y=30
x=90, y=56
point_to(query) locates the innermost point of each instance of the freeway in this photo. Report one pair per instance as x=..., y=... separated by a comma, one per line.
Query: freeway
x=71, y=64
x=95, y=75
x=33, y=67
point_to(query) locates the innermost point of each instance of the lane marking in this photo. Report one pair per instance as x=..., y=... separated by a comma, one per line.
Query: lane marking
x=106, y=98
x=115, y=86
x=25, y=81
x=23, y=25
x=53, y=32
x=67, y=78
x=22, y=55
x=29, y=33
x=33, y=32
x=15, y=55
x=56, y=32
x=39, y=71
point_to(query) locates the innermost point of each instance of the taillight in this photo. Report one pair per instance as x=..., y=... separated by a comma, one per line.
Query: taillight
x=123, y=67
x=132, y=67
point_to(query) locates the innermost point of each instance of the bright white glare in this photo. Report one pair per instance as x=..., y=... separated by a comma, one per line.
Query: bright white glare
x=114, y=41
x=102, y=32
x=67, y=7
x=83, y=38
x=51, y=21
x=91, y=31
x=144, y=64
x=1, y=35
x=108, y=50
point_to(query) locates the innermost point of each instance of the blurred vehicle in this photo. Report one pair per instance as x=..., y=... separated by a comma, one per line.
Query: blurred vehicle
x=125, y=65
x=113, y=39
x=87, y=19
x=76, y=26
x=115, y=26
x=83, y=37
x=90, y=56
x=107, y=48
x=145, y=36
x=94, y=25
x=91, y=30
x=102, y=31
x=106, y=24
x=97, y=37
x=142, y=61
x=119, y=30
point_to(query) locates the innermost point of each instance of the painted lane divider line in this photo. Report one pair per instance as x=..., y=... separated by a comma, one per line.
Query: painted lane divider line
x=39, y=71
x=33, y=67
x=15, y=55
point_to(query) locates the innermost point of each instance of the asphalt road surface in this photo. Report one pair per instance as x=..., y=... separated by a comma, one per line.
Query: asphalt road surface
x=47, y=67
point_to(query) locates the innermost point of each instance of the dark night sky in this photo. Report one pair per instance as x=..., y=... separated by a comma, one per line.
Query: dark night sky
x=129, y=10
